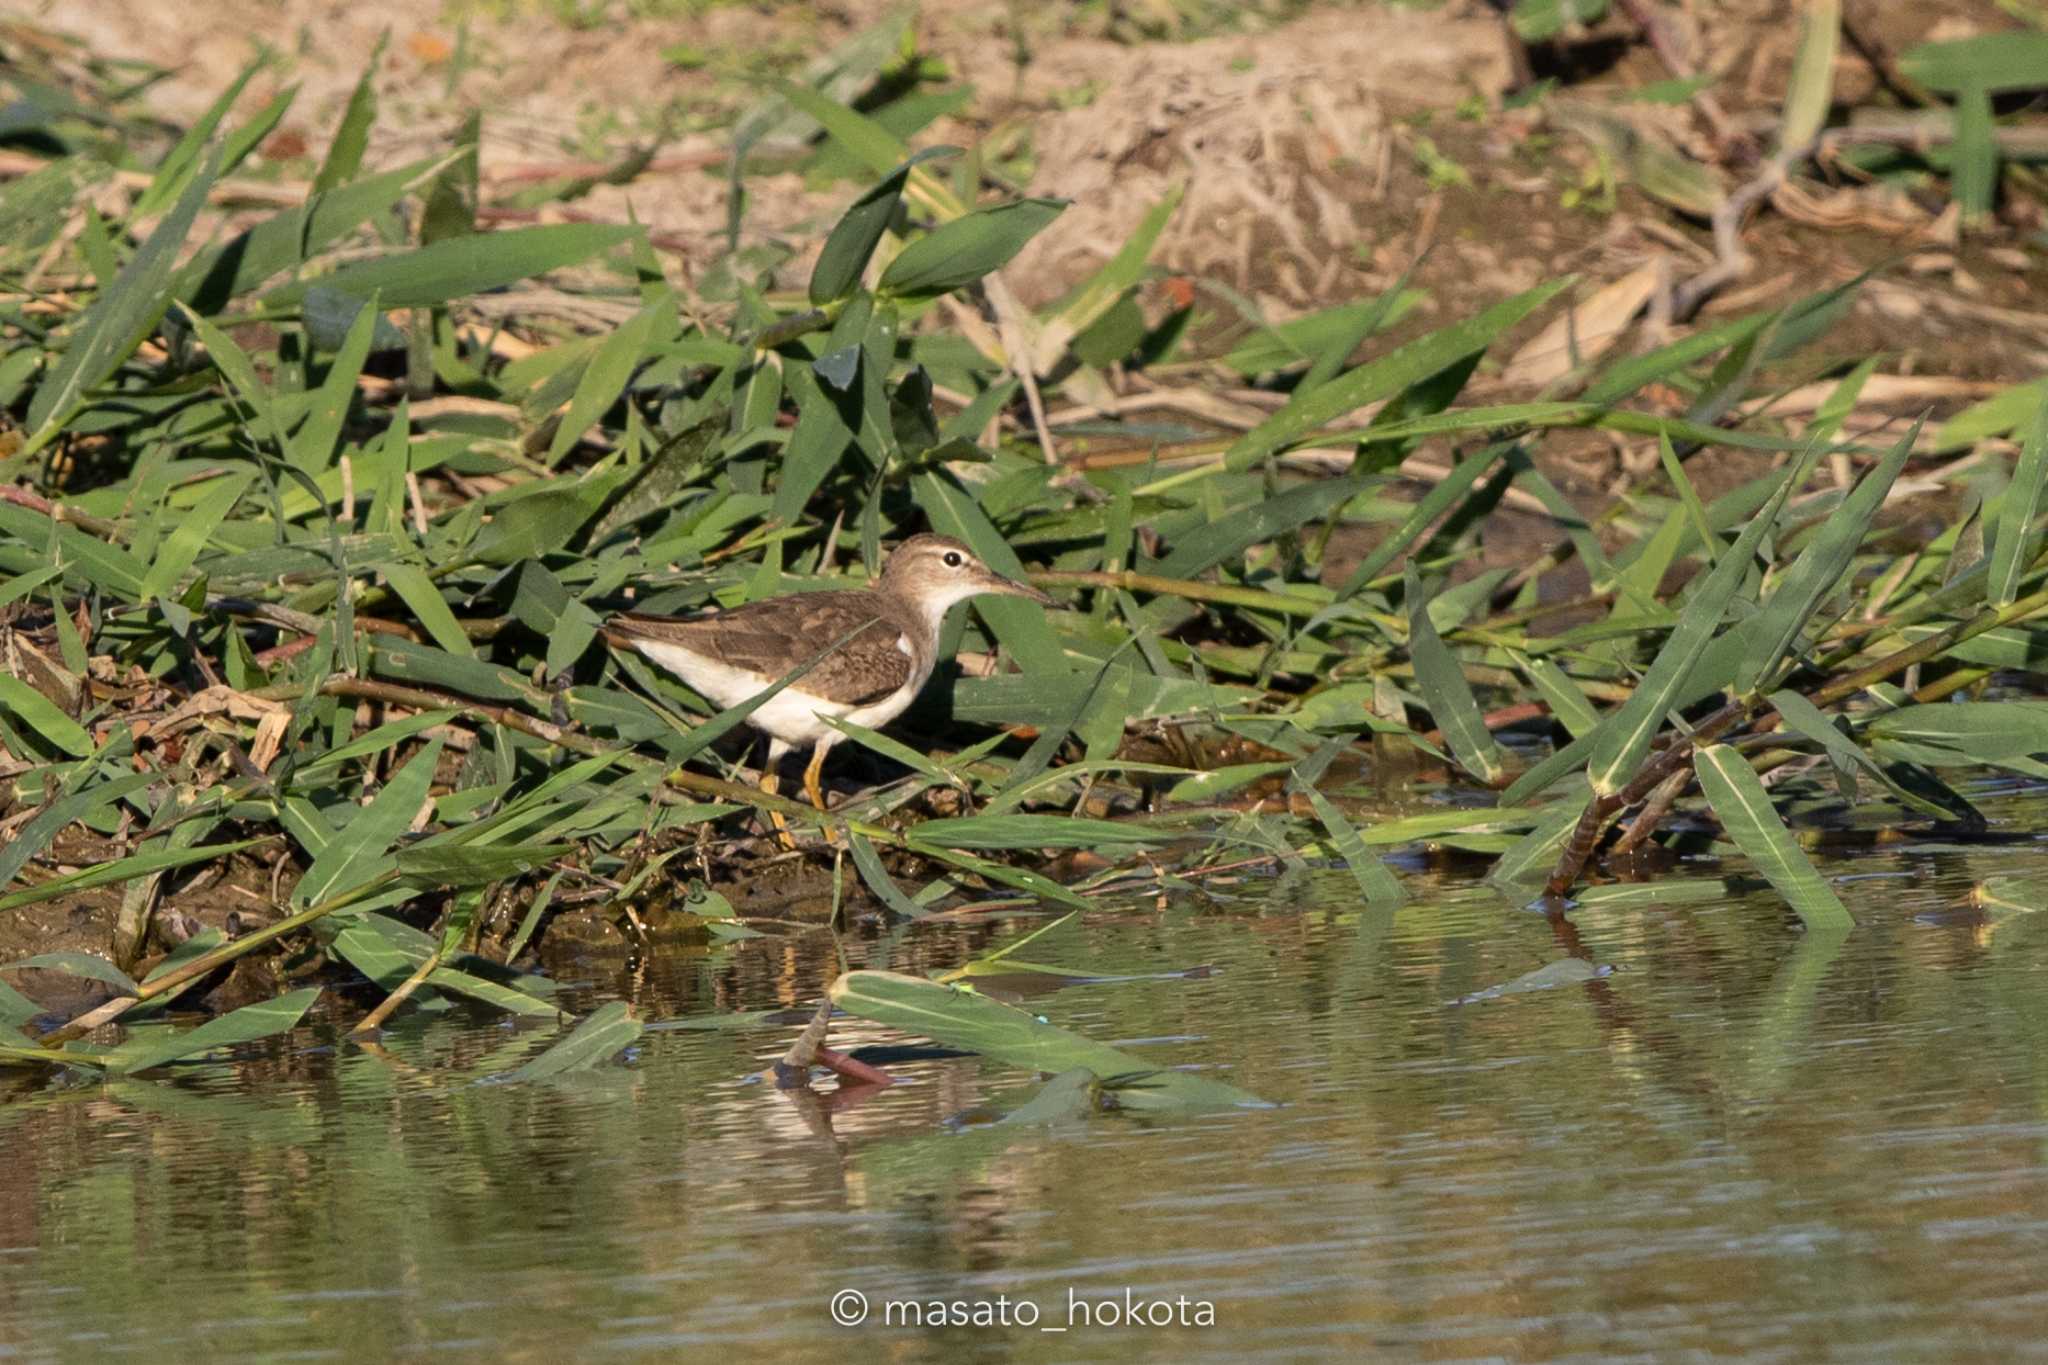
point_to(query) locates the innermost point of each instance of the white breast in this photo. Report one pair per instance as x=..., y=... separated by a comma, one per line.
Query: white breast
x=789, y=716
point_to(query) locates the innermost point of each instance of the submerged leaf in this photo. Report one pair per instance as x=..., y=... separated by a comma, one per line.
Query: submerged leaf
x=964, y=1019
x=610, y=1030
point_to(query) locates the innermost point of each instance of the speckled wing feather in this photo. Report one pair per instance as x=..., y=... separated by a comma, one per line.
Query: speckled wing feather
x=777, y=635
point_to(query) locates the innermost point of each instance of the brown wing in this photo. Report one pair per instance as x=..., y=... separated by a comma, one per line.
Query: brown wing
x=775, y=636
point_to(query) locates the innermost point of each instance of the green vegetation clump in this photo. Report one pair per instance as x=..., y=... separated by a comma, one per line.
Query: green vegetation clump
x=307, y=569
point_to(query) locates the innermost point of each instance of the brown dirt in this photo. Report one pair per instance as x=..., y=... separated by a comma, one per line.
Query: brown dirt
x=1303, y=147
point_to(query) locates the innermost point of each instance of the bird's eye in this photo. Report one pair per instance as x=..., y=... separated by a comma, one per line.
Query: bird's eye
x=953, y=560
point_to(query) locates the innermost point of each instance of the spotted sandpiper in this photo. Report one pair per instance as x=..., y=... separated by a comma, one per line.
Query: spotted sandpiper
x=878, y=646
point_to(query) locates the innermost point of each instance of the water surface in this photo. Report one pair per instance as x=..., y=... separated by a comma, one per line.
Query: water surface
x=1741, y=1142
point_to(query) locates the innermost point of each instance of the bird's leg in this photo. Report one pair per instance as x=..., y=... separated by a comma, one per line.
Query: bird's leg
x=814, y=789
x=770, y=781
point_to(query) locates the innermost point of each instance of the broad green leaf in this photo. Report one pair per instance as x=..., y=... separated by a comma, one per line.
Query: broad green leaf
x=878, y=880
x=474, y=864
x=461, y=266
x=360, y=851
x=610, y=1030
x=1033, y=831
x=1983, y=731
x=859, y=231
x=1802, y=717
x=1561, y=695
x=959, y=1018
x=1745, y=811
x=2003, y=412
x=312, y=448
x=265, y=1019
x=1306, y=338
x=1243, y=527
x=121, y=870
x=606, y=376
x=119, y=319
x=352, y=135
x=1619, y=745
x=427, y=606
x=91, y=966
x=1386, y=376
x=869, y=142
x=189, y=533
x=1811, y=88
x=2012, y=545
x=958, y=253
x=1973, y=176
x=43, y=716
x=1818, y=571
x=1373, y=878
x=290, y=237
x=1447, y=694
x=2014, y=59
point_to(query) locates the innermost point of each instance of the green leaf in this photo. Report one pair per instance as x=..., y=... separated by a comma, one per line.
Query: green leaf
x=428, y=607
x=292, y=236
x=352, y=135
x=1979, y=731
x=75, y=804
x=119, y=319
x=264, y=1019
x=1529, y=860
x=360, y=851
x=1818, y=571
x=121, y=870
x=1618, y=746
x=461, y=266
x=2015, y=59
x=1803, y=718
x=1386, y=376
x=958, y=253
x=878, y=880
x=1974, y=164
x=1745, y=811
x=2012, y=544
x=91, y=966
x=473, y=864
x=1033, y=831
x=869, y=141
x=1811, y=88
x=42, y=715
x=1448, y=695
x=189, y=534
x=1372, y=876
x=2003, y=412
x=610, y=1030
x=859, y=231
x=964, y=1019
x=312, y=447
x=1305, y=338
x=1243, y=527
x=1100, y=292
x=605, y=378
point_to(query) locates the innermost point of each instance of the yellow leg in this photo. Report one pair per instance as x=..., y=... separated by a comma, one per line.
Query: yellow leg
x=812, y=786
x=815, y=790
x=769, y=782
